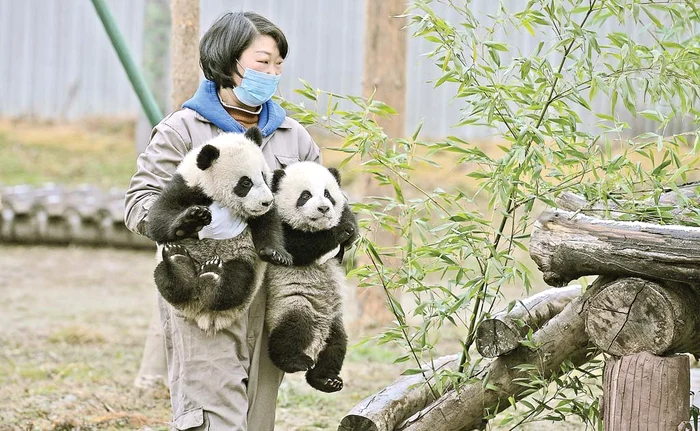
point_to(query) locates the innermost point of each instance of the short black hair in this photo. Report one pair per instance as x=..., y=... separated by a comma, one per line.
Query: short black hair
x=228, y=37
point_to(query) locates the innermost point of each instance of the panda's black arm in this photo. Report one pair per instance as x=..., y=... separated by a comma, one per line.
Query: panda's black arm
x=267, y=234
x=346, y=228
x=306, y=247
x=168, y=213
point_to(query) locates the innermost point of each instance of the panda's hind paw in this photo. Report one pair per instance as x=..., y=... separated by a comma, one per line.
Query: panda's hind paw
x=277, y=257
x=325, y=384
x=212, y=268
x=176, y=254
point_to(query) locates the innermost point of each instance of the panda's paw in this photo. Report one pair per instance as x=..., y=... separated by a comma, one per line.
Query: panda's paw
x=176, y=254
x=326, y=384
x=294, y=363
x=345, y=232
x=211, y=270
x=192, y=220
x=276, y=257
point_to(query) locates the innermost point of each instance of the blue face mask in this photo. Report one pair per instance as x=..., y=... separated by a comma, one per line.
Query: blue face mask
x=256, y=87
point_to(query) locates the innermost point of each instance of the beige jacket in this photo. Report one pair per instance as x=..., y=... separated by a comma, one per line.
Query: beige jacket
x=185, y=129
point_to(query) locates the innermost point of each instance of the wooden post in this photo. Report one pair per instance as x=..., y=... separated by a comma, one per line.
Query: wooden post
x=385, y=60
x=646, y=392
x=185, y=50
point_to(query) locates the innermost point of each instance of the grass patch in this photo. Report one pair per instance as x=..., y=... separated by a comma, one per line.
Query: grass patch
x=95, y=152
x=77, y=335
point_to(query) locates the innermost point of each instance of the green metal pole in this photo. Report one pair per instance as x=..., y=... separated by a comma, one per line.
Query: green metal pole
x=137, y=81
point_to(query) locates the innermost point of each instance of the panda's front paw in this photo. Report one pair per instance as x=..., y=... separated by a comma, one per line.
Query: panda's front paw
x=191, y=221
x=275, y=256
x=345, y=232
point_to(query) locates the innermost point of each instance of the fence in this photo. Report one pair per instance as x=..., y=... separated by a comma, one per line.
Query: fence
x=56, y=61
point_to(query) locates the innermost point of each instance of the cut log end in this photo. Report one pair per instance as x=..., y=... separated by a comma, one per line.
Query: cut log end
x=354, y=422
x=632, y=315
x=495, y=338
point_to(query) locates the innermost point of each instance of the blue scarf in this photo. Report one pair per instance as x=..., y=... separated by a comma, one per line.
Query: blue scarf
x=206, y=102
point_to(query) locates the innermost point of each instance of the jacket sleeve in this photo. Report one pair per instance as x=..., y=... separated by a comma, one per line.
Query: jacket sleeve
x=309, y=151
x=154, y=168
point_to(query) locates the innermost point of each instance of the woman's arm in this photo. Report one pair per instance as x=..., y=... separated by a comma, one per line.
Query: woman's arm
x=154, y=168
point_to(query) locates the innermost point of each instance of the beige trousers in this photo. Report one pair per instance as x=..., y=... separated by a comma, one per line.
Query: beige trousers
x=221, y=382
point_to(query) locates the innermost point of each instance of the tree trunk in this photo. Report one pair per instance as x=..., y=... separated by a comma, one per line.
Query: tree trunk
x=561, y=338
x=632, y=315
x=502, y=333
x=185, y=50
x=646, y=392
x=567, y=246
x=395, y=403
x=384, y=76
x=385, y=60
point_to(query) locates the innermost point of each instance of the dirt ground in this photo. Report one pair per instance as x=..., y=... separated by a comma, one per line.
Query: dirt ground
x=74, y=322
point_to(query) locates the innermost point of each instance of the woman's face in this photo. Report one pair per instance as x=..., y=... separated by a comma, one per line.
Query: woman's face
x=262, y=55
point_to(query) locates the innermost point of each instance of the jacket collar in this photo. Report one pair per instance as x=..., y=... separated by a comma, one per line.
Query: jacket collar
x=286, y=123
x=207, y=105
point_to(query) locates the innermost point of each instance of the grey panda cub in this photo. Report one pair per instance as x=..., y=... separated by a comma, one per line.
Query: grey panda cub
x=213, y=281
x=304, y=301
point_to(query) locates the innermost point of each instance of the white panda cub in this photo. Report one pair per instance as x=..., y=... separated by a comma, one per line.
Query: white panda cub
x=213, y=281
x=304, y=303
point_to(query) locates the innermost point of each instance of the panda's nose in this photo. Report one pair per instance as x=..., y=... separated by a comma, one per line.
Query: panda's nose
x=266, y=203
x=324, y=209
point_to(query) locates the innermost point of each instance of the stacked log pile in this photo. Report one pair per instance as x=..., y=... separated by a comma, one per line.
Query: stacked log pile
x=54, y=214
x=642, y=310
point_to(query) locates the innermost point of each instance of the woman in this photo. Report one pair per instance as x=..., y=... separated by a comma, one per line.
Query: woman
x=226, y=381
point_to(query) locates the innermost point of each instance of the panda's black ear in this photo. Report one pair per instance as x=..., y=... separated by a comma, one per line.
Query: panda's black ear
x=276, y=178
x=335, y=173
x=254, y=135
x=206, y=156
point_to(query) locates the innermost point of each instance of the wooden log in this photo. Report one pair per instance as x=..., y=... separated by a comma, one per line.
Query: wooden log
x=503, y=332
x=567, y=246
x=646, y=392
x=569, y=201
x=632, y=315
x=395, y=403
x=56, y=215
x=563, y=337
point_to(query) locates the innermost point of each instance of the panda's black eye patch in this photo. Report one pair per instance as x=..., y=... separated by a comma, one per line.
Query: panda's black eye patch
x=243, y=187
x=328, y=196
x=303, y=198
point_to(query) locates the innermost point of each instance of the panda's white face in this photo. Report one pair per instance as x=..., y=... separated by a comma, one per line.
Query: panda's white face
x=237, y=177
x=308, y=197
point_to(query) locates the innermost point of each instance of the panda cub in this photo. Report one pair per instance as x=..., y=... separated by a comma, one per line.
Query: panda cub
x=304, y=314
x=213, y=281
